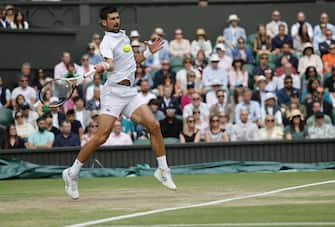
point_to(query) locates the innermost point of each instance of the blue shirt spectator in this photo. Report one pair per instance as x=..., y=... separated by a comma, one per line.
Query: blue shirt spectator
x=284, y=94
x=280, y=39
x=41, y=138
x=252, y=107
x=66, y=138
x=233, y=32
x=213, y=72
x=242, y=52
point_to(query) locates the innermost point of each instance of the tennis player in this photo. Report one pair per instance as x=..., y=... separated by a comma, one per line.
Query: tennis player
x=119, y=96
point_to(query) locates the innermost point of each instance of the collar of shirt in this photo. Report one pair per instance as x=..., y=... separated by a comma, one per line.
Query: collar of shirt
x=116, y=35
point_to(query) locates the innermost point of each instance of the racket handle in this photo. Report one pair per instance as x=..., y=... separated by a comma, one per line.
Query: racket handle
x=89, y=73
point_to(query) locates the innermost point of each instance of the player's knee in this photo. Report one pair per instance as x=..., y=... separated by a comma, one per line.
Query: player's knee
x=154, y=127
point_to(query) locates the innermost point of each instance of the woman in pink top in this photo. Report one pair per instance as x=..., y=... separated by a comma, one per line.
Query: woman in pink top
x=237, y=75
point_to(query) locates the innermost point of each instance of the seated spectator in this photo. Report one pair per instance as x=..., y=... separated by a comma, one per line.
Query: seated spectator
x=90, y=131
x=321, y=130
x=272, y=28
x=145, y=93
x=288, y=53
x=237, y=97
x=260, y=92
x=309, y=75
x=140, y=75
x=200, y=123
x=154, y=105
x=280, y=39
x=76, y=126
x=215, y=133
x=191, y=78
x=262, y=42
x=167, y=100
x=69, y=104
x=283, y=94
x=42, y=138
x=244, y=130
x=10, y=13
x=96, y=84
x=270, y=81
x=309, y=59
x=296, y=130
x=221, y=105
x=154, y=61
x=330, y=86
x=242, y=52
x=288, y=71
x=165, y=76
x=94, y=103
x=187, y=97
x=220, y=40
x=316, y=108
x=4, y=24
x=237, y=73
x=19, y=21
x=5, y=95
x=201, y=43
x=224, y=59
x=301, y=21
x=324, y=19
x=96, y=40
x=263, y=65
x=329, y=40
x=200, y=61
x=253, y=108
x=270, y=131
x=271, y=109
x=214, y=72
x=233, y=31
x=66, y=138
x=318, y=96
x=211, y=98
x=190, y=134
x=117, y=137
x=329, y=58
x=196, y=104
x=293, y=104
x=24, y=129
x=12, y=140
x=39, y=80
x=226, y=123
x=29, y=115
x=179, y=46
x=49, y=121
x=281, y=67
x=61, y=68
x=301, y=38
x=171, y=126
x=25, y=71
x=135, y=37
x=82, y=115
x=320, y=38
x=57, y=116
x=86, y=67
x=93, y=58
x=24, y=89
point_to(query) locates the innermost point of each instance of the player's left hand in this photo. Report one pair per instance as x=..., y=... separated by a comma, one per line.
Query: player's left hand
x=155, y=45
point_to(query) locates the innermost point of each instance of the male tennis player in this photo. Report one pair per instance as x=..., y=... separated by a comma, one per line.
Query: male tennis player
x=119, y=96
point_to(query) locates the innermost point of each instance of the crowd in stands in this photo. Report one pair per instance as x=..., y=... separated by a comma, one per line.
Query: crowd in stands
x=275, y=84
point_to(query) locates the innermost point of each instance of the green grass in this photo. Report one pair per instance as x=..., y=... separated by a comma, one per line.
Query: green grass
x=43, y=203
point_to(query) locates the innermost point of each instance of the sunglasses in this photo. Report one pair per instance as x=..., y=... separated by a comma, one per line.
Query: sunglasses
x=196, y=99
x=220, y=96
x=270, y=120
x=296, y=116
x=215, y=120
x=288, y=82
x=23, y=80
x=264, y=58
x=189, y=62
x=84, y=59
x=190, y=121
x=196, y=112
x=19, y=116
x=93, y=126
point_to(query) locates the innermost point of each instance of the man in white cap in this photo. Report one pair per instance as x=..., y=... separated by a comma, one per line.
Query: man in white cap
x=259, y=94
x=214, y=72
x=135, y=36
x=211, y=97
x=271, y=108
x=272, y=27
x=225, y=60
x=233, y=32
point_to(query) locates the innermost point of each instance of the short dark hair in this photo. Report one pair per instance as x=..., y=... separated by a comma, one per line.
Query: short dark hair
x=107, y=10
x=41, y=118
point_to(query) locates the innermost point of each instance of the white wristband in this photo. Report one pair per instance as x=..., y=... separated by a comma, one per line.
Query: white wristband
x=106, y=65
x=147, y=53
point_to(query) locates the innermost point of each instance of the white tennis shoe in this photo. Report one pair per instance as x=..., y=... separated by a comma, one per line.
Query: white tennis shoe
x=164, y=176
x=71, y=184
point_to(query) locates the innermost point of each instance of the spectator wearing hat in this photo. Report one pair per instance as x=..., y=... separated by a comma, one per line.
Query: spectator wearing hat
x=301, y=21
x=324, y=19
x=321, y=130
x=280, y=39
x=325, y=45
x=288, y=70
x=76, y=126
x=179, y=46
x=259, y=94
x=211, y=98
x=221, y=105
x=196, y=104
x=171, y=126
x=329, y=85
x=225, y=59
x=328, y=59
x=221, y=40
x=233, y=31
x=314, y=108
x=190, y=133
x=296, y=129
x=310, y=59
x=271, y=108
x=214, y=72
x=242, y=52
x=117, y=137
x=93, y=58
x=135, y=38
x=4, y=24
x=24, y=89
x=66, y=138
x=168, y=100
x=272, y=28
x=96, y=40
x=244, y=130
x=252, y=107
x=5, y=95
x=237, y=73
x=294, y=102
x=186, y=98
x=262, y=42
x=270, y=131
x=41, y=138
x=10, y=13
x=201, y=43
x=283, y=94
x=187, y=71
x=24, y=129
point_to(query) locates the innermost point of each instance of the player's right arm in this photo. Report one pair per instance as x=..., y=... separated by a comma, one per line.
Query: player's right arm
x=106, y=65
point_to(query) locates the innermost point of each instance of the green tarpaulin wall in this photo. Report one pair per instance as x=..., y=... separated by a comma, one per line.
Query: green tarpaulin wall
x=16, y=169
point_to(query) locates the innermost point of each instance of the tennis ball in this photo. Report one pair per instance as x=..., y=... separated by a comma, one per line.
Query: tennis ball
x=126, y=48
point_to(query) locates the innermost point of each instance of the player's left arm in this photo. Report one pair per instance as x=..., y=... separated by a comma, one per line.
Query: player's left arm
x=152, y=48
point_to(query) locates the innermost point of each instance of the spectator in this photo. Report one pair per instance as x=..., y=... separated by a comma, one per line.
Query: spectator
x=82, y=115
x=167, y=100
x=200, y=61
x=288, y=71
x=28, y=92
x=96, y=84
x=301, y=38
x=215, y=133
x=226, y=123
x=221, y=106
x=323, y=20
x=315, y=108
x=190, y=134
x=329, y=58
x=301, y=21
x=201, y=43
x=94, y=103
x=4, y=24
x=330, y=85
x=90, y=131
x=310, y=59
x=191, y=78
x=179, y=46
x=237, y=73
x=271, y=109
x=69, y=104
x=163, y=77
x=154, y=106
x=296, y=129
x=76, y=126
x=187, y=97
x=325, y=45
x=225, y=59
x=171, y=126
x=140, y=75
x=262, y=42
x=321, y=130
x=214, y=72
x=287, y=52
x=182, y=74
x=5, y=95
x=12, y=139
x=211, y=95
x=154, y=61
x=66, y=138
x=117, y=137
x=252, y=108
x=293, y=104
x=242, y=52
x=19, y=21
x=270, y=81
x=39, y=80
x=260, y=92
x=280, y=39
x=57, y=116
x=61, y=68
x=41, y=138
x=96, y=40
x=309, y=74
x=145, y=93
x=273, y=26
x=127, y=126
x=50, y=127
x=24, y=129
x=10, y=13
x=29, y=115
x=196, y=104
x=135, y=38
x=244, y=130
x=320, y=38
x=323, y=98
x=270, y=131
x=263, y=65
x=93, y=58
x=233, y=32
x=200, y=123
x=220, y=40
x=283, y=94
x=85, y=67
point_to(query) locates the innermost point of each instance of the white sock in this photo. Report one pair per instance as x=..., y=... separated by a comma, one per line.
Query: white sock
x=162, y=163
x=75, y=168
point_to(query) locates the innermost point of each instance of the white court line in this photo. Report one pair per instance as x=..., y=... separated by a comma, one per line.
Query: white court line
x=215, y=202
x=238, y=224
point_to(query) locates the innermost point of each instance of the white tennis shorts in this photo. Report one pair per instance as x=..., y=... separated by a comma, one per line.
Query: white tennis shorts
x=119, y=99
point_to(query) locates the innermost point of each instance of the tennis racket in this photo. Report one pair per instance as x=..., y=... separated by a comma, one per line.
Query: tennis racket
x=56, y=92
